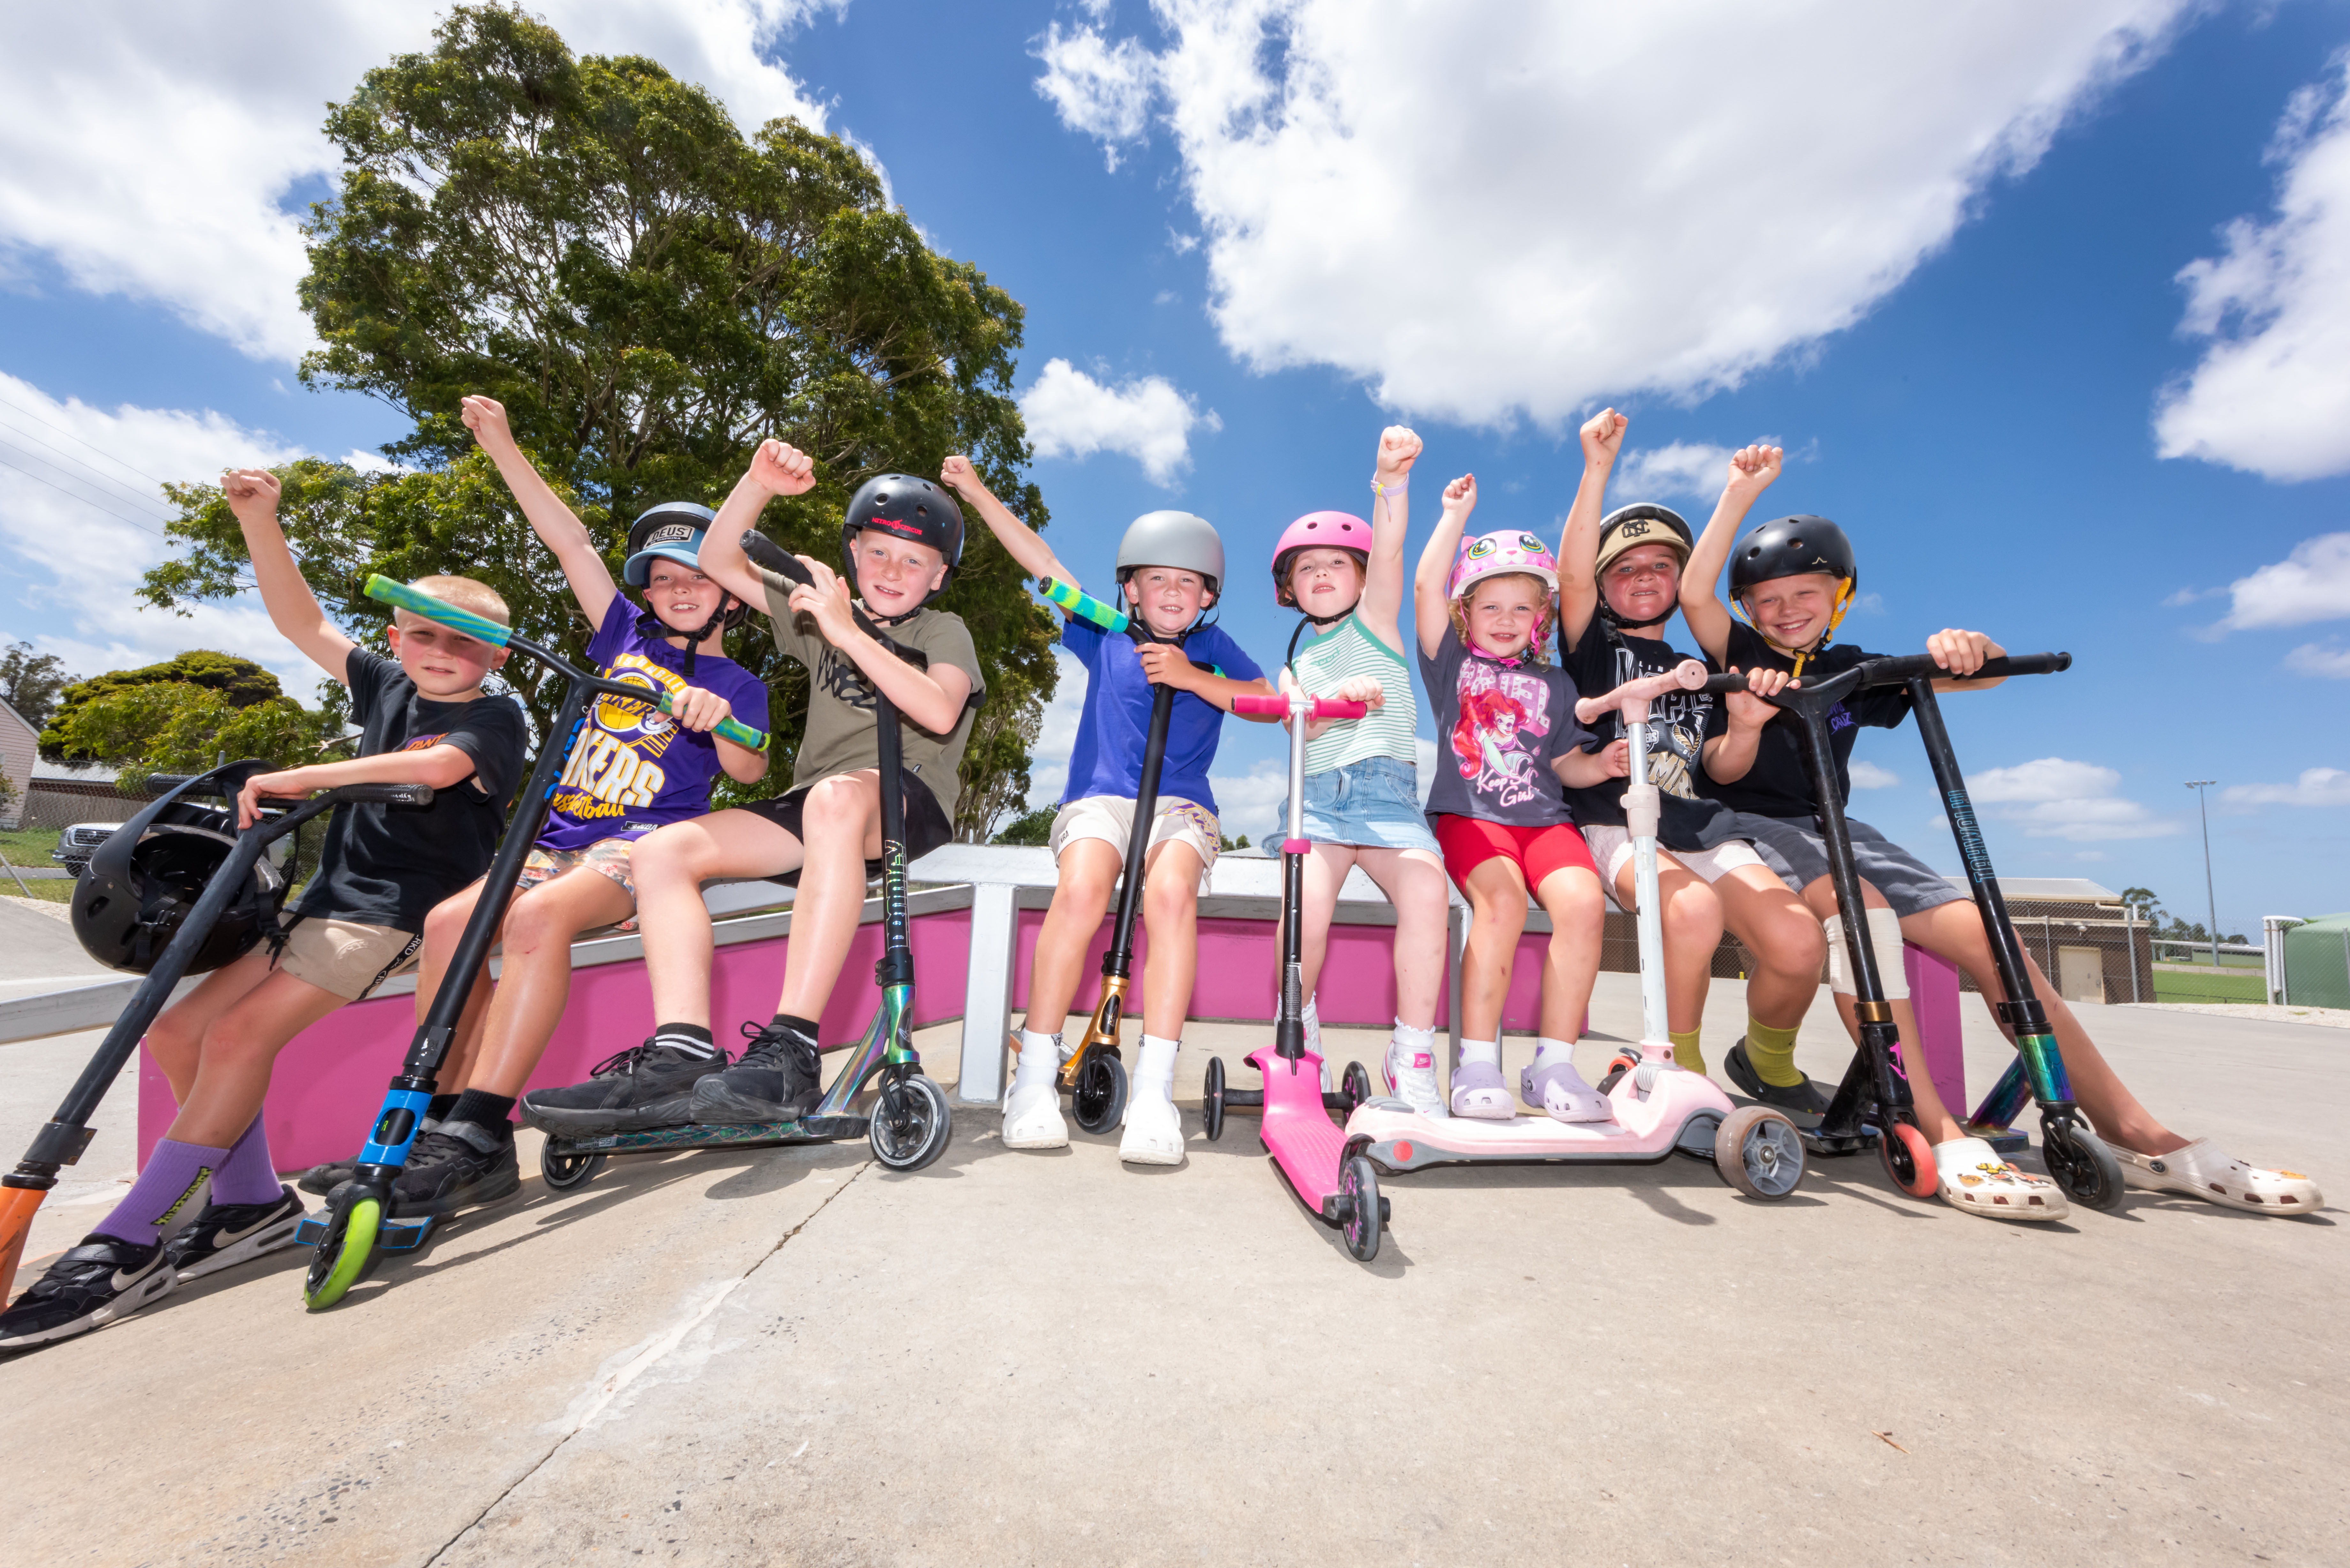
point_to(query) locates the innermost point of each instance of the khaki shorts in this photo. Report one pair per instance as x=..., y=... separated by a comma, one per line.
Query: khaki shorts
x=1111, y=819
x=1611, y=846
x=345, y=957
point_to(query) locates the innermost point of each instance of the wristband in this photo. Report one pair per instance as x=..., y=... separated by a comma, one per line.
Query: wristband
x=1378, y=489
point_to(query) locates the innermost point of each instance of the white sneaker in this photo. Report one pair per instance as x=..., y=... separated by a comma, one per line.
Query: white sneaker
x=1032, y=1114
x=1154, y=1128
x=1412, y=1078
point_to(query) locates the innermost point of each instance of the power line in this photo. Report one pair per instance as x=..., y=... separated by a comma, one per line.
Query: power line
x=76, y=440
x=98, y=474
x=85, y=499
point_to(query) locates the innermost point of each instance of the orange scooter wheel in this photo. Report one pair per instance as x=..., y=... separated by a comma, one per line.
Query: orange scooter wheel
x=1909, y=1159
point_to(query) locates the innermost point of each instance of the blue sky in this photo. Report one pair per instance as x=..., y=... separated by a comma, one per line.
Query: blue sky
x=1945, y=271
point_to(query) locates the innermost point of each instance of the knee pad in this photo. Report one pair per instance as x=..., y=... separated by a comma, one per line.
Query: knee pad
x=1884, y=939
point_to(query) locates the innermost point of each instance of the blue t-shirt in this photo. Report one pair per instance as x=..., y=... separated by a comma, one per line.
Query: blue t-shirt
x=1114, y=724
x=633, y=769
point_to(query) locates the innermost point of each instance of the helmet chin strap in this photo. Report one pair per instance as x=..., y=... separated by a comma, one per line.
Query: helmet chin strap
x=693, y=639
x=1819, y=644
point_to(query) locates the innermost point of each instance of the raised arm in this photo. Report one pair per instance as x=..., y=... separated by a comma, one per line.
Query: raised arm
x=1578, y=541
x=1432, y=612
x=933, y=697
x=1751, y=470
x=557, y=525
x=1021, y=542
x=1382, y=601
x=293, y=608
x=775, y=470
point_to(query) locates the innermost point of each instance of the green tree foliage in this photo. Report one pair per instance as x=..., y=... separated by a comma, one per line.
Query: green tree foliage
x=30, y=682
x=1035, y=828
x=181, y=727
x=235, y=682
x=650, y=294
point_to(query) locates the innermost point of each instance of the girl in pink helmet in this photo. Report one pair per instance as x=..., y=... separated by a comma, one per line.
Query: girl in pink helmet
x=1361, y=805
x=1507, y=741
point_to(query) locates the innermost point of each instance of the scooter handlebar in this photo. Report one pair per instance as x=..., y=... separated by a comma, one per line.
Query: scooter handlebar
x=384, y=793
x=1910, y=667
x=1632, y=697
x=1319, y=708
x=765, y=552
x=1082, y=606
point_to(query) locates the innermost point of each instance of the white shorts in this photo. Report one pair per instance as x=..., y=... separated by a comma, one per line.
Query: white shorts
x=1611, y=848
x=1110, y=818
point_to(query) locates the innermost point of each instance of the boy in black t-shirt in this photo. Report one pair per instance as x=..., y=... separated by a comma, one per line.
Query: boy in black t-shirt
x=1618, y=585
x=1794, y=579
x=424, y=719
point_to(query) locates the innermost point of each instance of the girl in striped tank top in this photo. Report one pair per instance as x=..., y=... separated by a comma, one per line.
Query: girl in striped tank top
x=1362, y=785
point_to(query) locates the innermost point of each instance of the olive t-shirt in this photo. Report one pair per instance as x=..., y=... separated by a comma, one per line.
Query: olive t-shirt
x=838, y=737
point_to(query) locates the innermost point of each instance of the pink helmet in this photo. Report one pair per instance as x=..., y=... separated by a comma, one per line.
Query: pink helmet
x=1318, y=531
x=1493, y=555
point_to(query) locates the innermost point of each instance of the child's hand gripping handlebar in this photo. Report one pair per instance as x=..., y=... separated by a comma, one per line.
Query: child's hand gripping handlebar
x=1297, y=703
x=399, y=596
x=764, y=551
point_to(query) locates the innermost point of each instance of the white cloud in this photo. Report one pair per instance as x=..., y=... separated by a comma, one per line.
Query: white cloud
x=1489, y=208
x=1048, y=759
x=72, y=480
x=2320, y=659
x=2053, y=797
x=1100, y=89
x=1072, y=415
x=2270, y=396
x=1868, y=775
x=1684, y=468
x=2311, y=583
x=1251, y=804
x=146, y=147
x=2316, y=786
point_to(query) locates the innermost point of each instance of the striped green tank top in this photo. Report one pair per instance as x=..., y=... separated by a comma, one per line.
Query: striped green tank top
x=1387, y=730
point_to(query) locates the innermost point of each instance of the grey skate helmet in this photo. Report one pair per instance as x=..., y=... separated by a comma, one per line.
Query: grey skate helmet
x=1177, y=539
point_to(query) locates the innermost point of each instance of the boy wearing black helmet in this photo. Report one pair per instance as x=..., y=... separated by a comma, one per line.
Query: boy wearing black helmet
x=1794, y=579
x=1618, y=585
x=1170, y=570
x=424, y=718
x=900, y=542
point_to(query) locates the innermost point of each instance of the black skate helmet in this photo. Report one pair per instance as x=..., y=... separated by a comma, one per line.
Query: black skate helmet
x=1793, y=547
x=910, y=508
x=147, y=876
x=672, y=531
x=1629, y=529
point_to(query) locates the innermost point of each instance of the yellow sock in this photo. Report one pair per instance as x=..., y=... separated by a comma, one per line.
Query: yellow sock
x=1685, y=1051
x=1773, y=1052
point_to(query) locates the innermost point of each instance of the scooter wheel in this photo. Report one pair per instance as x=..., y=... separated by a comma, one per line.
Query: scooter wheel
x=1908, y=1158
x=562, y=1170
x=911, y=1123
x=2082, y=1164
x=343, y=1253
x=1356, y=1084
x=1759, y=1152
x=1099, y=1100
x=1211, y=1100
x=1618, y=1064
x=1360, y=1184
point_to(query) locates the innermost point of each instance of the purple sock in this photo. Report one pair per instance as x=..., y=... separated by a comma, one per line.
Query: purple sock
x=246, y=1175
x=160, y=1198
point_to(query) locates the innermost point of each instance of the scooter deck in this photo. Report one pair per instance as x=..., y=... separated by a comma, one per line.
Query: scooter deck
x=1401, y=1139
x=1296, y=1131
x=716, y=1135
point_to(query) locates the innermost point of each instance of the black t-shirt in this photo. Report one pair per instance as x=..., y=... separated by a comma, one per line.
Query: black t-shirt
x=388, y=865
x=1601, y=662
x=1779, y=783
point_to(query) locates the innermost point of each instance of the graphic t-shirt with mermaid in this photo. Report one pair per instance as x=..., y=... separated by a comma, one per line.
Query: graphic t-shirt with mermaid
x=1499, y=725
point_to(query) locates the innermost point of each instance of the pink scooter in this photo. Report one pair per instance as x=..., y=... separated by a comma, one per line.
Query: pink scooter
x=1323, y=1163
x=1659, y=1108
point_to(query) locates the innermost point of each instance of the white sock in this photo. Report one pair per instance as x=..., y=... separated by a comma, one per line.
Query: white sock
x=1486, y=1050
x=1040, y=1058
x=1311, y=1017
x=1157, y=1067
x=1547, y=1051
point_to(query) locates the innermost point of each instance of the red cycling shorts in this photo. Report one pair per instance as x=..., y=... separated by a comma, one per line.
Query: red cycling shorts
x=1468, y=843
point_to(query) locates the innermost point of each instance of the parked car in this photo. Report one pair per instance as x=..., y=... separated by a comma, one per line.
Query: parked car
x=76, y=844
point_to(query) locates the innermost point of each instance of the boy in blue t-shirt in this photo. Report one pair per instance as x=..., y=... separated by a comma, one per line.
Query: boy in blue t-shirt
x=1171, y=565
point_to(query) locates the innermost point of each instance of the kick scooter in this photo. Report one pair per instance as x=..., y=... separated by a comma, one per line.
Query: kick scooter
x=358, y=1222
x=61, y=1141
x=1656, y=1107
x=2079, y=1161
x=1322, y=1163
x=910, y=1124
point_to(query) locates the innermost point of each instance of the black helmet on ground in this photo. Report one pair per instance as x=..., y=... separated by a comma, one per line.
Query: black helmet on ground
x=909, y=508
x=147, y=876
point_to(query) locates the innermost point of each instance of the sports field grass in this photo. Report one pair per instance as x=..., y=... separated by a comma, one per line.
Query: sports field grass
x=2171, y=985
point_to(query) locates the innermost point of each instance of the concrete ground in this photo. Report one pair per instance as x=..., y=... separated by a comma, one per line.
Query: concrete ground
x=793, y=1356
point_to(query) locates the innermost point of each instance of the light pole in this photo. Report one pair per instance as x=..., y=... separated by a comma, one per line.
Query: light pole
x=2211, y=900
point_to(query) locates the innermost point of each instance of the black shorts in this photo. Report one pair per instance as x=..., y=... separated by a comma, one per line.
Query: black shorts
x=927, y=827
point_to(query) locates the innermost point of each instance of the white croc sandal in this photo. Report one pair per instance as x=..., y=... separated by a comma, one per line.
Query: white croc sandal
x=2202, y=1171
x=1154, y=1130
x=1975, y=1180
x=1032, y=1114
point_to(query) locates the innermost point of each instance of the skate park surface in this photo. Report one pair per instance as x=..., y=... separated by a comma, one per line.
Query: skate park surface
x=783, y=1357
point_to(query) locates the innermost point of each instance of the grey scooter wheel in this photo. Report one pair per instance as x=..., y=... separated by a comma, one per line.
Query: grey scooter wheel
x=1099, y=1099
x=1211, y=1100
x=1365, y=1213
x=2082, y=1164
x=1354, y=1085
x=911, y=1123
x=562, y=1170
x=1759, y=1152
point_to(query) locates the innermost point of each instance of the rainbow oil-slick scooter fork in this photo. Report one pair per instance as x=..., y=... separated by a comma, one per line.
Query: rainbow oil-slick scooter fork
x=356, y=1222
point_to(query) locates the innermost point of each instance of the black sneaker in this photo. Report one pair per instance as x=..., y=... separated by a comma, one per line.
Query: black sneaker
x=646, y=1086
x=1803, y=1099
x=103, y=1279
x=457, y=1166
x=323, y=1179
x=227, y=1234
x=777, y=1080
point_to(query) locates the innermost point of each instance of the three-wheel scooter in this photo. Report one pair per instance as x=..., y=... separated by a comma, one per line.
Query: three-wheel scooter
x=61, y=1141
x=358, y=1221
x=1656, y=1107
x=910, y=1123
